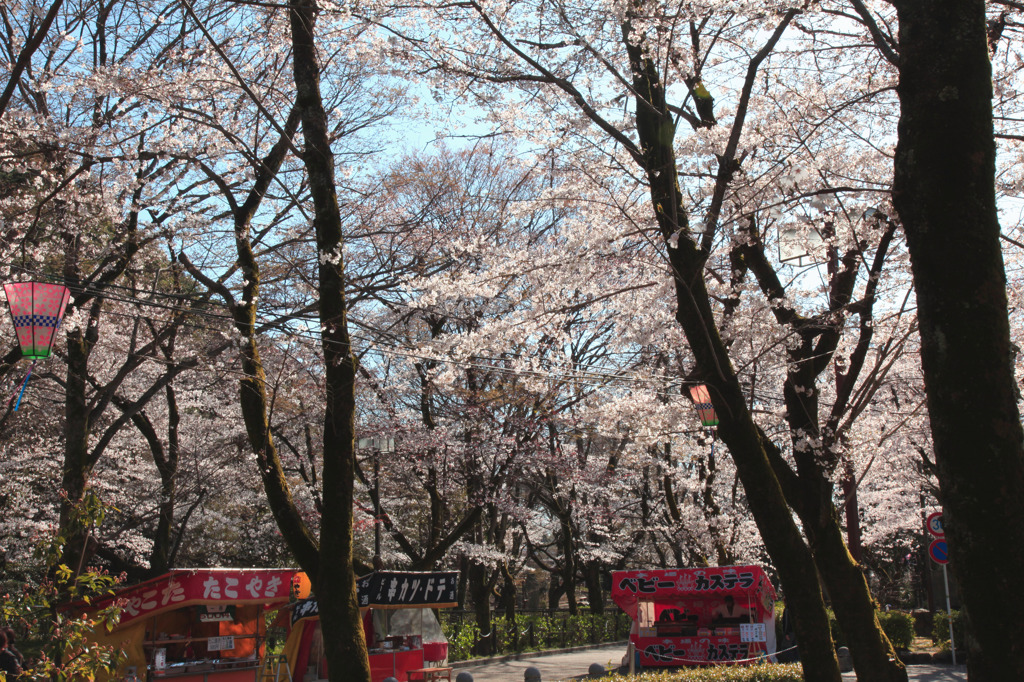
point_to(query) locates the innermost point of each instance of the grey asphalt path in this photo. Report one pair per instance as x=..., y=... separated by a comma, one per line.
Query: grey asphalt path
x=575, y=664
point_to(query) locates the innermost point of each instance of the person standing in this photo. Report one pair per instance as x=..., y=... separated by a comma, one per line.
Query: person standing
x=9, y=664
x=11, y=637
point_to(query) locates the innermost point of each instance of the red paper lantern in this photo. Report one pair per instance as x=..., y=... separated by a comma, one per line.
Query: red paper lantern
x=702, y=399
x=37, y=309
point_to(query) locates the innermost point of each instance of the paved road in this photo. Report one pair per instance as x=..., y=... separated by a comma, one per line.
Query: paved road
x=575, y=664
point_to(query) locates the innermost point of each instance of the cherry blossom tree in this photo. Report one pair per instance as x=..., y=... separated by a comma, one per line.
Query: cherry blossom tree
x=640, y=60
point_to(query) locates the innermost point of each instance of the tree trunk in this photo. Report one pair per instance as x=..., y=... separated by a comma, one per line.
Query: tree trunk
x=78, y=418
x=851, y=508
x=481, y=598
x=595, y=595
x=874, y=657
x=167, y=466
x=944, y=193
x=345, y=643
x=782, y=538
x=811, y=495
x=568, y=560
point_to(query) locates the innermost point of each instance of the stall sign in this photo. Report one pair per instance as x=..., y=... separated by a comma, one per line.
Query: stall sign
x=307, y=608
x=185, y=588
x=703, y=650
x=394, y=589
x=217, y=613
x=687, y=581
x=225, y=643
x=753, y=632
x=391, y=589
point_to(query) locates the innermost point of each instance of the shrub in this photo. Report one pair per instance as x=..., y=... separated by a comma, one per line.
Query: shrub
x=461, y=639
x=780, y=672
x=533, y=631
x=55, y=637
x=940, y=630
x=899, y=628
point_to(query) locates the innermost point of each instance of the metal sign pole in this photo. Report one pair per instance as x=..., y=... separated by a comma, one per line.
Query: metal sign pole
x=949, y=612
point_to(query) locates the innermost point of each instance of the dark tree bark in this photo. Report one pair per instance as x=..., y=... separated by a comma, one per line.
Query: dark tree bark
x=480, y=595
x=810, y=490
x=334, y=582
x=782, y=538
x=595, y=593
x=944, y=193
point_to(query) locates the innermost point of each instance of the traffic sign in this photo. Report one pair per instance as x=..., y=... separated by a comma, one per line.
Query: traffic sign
x=939, y=551
x=934, y=524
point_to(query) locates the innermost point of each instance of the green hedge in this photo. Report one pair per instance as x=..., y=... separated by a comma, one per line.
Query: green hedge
x=782, y=672
x=532, y=631
x=940, y=630
x=899, y=628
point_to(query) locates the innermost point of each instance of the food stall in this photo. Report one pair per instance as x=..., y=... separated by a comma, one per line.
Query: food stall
x=198, y=625
x=698, y=616
x=402, y=633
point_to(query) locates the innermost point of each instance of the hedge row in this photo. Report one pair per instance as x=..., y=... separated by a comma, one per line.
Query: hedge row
x=898, y=627
x=940, y=630
x=534, y=631
x=538, y=631
x=766, y=672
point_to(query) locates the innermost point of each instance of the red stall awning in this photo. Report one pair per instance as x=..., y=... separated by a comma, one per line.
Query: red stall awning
x=744, y=583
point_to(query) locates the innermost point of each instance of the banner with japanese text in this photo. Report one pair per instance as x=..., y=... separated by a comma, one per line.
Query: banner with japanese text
x=742, y=582
x=396, y=590
x=181, y=588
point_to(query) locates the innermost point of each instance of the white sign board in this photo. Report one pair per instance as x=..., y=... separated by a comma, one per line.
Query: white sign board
x=753, y=632
x=220, y=643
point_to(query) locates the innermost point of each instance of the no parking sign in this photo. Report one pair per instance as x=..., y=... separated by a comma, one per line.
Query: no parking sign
x=938, y=550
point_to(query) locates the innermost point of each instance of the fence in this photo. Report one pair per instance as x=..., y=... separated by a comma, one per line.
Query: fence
x=530, y=631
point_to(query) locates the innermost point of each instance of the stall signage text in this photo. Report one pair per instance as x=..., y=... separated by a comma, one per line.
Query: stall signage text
x=205, y=586
x=699, y=580
x=699, y=651
x=753, y=632
x=390, y=588
x=225, y=643
x=215, y=613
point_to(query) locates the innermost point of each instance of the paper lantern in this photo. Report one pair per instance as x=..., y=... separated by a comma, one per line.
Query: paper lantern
x=702, y=399
x=36, y=309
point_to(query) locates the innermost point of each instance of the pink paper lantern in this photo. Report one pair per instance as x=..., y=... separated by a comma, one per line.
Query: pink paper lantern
x=702, y=400
x=37, y=309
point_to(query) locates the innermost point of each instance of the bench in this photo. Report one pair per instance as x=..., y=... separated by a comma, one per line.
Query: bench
x=429, y=674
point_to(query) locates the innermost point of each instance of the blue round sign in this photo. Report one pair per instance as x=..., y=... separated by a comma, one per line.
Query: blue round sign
x=939, y=551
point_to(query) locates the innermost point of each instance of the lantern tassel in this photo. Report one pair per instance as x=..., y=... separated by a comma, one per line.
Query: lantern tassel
x=23, y=385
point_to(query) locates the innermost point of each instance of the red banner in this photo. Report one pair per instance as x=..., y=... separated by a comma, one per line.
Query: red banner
x=204, y=586
x=679, y=584
x=695, y=651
